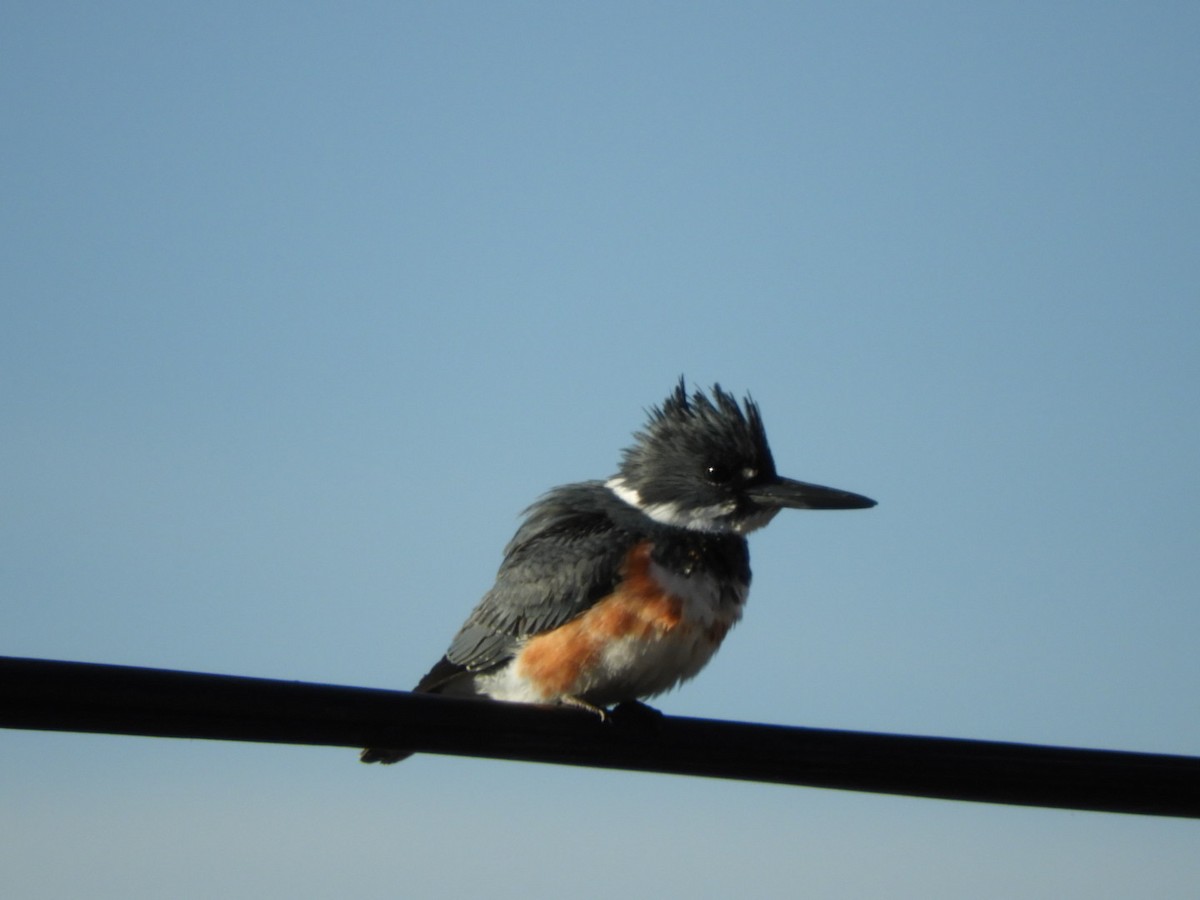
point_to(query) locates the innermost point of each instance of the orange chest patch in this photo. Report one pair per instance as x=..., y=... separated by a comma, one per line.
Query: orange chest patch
x=563, y=661
x=639, y=607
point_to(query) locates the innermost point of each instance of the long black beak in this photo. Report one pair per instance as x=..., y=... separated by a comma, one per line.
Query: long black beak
x=786, y=493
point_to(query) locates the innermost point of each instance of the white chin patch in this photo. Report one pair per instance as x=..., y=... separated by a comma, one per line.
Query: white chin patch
x=709, y=519
x=756, y=521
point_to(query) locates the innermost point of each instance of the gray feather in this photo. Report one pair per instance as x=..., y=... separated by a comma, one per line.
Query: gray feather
x=565, y=557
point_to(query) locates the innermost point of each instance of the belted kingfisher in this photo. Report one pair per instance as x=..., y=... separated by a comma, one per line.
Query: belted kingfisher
x=619, y=590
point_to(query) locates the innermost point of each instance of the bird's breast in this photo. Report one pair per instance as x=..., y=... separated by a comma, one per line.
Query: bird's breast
x=658, y=627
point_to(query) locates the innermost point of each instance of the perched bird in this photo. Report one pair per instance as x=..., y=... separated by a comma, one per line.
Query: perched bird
x=618, y=590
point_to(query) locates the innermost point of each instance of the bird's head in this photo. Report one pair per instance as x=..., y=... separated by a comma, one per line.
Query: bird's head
x=702, y=463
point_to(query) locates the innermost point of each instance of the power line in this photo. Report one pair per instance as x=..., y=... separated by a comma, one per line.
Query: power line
x=86, y=697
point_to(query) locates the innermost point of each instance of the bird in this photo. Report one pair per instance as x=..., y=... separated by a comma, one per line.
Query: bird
x=616, y=591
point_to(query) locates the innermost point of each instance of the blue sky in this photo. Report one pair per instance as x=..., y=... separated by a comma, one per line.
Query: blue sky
x=303, y=303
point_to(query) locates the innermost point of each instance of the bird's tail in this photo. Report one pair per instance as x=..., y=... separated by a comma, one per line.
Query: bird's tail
x=379, y=755
x=443, y=674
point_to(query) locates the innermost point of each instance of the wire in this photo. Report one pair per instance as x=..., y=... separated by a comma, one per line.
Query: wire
x=86, y=697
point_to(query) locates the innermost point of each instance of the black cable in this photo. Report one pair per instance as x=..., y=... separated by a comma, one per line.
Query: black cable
x=86, y=697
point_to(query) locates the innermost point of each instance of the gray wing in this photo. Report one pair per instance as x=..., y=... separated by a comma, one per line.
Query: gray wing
x=566, y=556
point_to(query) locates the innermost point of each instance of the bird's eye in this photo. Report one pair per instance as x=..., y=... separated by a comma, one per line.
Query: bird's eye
x=718, y=474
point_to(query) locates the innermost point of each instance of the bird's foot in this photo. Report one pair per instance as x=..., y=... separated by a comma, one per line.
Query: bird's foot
x=579, y=703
